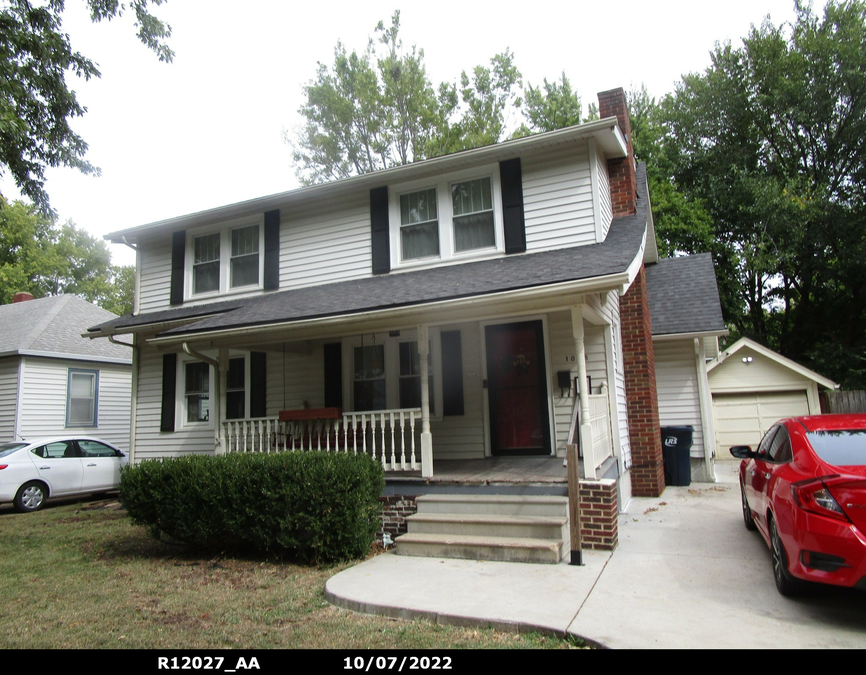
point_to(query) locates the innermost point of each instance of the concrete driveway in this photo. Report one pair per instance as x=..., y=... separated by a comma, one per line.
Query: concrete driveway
x=686, y=574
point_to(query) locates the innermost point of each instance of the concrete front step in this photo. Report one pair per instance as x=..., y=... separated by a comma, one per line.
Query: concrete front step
x=474, y=547
x=535, y=527
x=504, y=505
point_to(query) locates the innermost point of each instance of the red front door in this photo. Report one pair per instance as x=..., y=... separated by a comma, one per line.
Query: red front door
x=517, y=389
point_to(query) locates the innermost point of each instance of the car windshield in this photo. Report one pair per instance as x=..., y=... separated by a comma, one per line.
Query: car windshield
x=9, y=448
x=843, y=447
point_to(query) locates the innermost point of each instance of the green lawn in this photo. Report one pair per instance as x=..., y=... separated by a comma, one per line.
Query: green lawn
x=80, y=575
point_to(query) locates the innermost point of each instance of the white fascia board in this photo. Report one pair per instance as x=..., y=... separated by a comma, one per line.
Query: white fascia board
x=76, y=357
x=670, y=337
x=581, y=286
x=652, y=250
x=773, y=356
x=634, y=266
x=606, y=133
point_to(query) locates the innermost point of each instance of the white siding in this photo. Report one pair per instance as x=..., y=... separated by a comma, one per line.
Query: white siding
x=8, y=397
x=462, y=436
x=155, y=274
x=557, y=198
x=150, y=442
x=43, y=400
x=323, y=246
x=677, y=386
x=604, y=203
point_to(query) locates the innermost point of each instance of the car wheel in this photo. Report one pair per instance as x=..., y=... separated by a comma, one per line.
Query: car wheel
x=785, y=583
x=747, y=512
x=31, y=497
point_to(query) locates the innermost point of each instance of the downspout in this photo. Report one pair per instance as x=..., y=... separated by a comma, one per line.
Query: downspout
x=216, y=408
x=133, y=413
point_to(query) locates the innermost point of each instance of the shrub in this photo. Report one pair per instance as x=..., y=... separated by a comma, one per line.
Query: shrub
x=311, y=506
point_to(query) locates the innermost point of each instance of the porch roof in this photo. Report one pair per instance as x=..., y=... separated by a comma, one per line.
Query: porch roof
x=612, y=258
x=683, y=296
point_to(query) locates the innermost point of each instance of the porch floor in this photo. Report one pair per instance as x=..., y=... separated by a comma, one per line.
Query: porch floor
x=490, y=470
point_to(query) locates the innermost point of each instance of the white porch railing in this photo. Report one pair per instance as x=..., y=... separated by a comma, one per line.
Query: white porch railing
x=601, y=445
x=388, y=436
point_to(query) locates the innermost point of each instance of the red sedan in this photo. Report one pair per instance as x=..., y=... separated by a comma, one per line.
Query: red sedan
x=804, y=489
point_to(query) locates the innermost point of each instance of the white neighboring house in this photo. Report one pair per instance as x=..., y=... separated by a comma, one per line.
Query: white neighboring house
x=753, y=387
x=487, y=307
x=54, y=382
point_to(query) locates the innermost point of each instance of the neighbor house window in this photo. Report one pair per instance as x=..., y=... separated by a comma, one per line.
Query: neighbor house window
x=457, y=217
x=197, y=391
x=82, y=392
x=226, y=260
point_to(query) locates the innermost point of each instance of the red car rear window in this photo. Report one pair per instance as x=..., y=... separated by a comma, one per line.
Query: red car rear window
x=840, y=447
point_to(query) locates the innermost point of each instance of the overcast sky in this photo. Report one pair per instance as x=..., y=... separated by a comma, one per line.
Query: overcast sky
x=206, y=130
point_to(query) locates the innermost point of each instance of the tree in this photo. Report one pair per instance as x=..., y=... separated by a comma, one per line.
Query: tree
x=367, y=112
x=378, y=109
x=38, y=257
x=770, y=142
x=36, y=103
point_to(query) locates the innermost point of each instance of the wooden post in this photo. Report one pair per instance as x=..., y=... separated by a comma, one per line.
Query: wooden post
x=574, y=504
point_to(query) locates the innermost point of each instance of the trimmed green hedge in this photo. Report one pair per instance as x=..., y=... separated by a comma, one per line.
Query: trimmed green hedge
x=317, y=507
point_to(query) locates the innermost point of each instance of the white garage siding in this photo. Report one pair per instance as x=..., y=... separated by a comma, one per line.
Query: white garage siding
x=677, y=388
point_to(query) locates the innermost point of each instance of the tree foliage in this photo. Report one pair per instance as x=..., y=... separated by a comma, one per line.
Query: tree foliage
x=768, y=143
x=42, y=258
x=379, y=109
x=36, y=103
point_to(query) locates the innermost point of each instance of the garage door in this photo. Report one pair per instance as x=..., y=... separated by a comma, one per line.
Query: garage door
x=743, y=419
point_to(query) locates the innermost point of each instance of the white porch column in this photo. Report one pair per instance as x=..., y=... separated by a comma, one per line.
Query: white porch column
x=583, y=393
x=426, y=436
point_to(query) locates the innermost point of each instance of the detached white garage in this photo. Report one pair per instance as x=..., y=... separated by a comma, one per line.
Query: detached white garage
x=752, y=388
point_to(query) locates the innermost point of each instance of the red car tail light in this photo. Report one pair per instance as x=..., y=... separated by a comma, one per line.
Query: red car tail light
x=814, y=496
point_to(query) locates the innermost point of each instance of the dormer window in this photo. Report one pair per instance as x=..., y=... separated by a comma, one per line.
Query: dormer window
x=455, y=217
x=226, y=260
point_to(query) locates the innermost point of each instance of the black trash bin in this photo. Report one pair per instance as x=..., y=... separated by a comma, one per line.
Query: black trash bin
x=676, y=445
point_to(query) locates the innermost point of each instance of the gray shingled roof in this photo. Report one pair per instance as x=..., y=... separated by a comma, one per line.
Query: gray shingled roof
x=54, y=325
x=404, y=289
x=683, y=296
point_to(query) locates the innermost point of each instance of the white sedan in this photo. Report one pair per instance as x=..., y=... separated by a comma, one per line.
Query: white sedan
x=33, y=471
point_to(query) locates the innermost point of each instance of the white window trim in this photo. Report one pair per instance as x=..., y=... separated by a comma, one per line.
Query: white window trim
x=447, y=252
x=392, y=367
x=225, y=231
x=95, y=420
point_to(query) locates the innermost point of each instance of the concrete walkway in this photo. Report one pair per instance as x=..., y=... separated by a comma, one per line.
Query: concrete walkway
x=686, y=574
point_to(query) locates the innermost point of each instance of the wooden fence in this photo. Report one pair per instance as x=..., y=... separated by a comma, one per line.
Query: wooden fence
x=843, y=401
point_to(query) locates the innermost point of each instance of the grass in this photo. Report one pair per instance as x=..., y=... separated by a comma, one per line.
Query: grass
x=81, y=575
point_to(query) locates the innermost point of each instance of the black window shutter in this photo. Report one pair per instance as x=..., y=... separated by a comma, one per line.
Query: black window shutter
x=178, y=260
x=272, y=250
x=258, y=384
x=334, y=375
x=511, y=178
x=452, y=373
x=169, y=392
x=379, y=230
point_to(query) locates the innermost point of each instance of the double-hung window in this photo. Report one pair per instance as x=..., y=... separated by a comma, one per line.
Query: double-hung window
x=455, y=217
x=82, y=391
x=227, y=260
x=197, y=391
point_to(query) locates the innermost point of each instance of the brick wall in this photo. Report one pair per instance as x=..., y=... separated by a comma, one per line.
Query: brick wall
x=395, y=510
x=647, y=471
x=599, y=515
x=623, y=186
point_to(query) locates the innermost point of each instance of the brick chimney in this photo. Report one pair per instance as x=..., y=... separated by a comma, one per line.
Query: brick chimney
x=647, y=471
x=623, y=186
x=22, y=296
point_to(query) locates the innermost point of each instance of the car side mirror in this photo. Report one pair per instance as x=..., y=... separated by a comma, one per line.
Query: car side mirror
x=742, y=452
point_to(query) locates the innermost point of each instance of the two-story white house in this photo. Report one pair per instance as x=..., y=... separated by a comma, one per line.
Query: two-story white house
x=487, y=308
